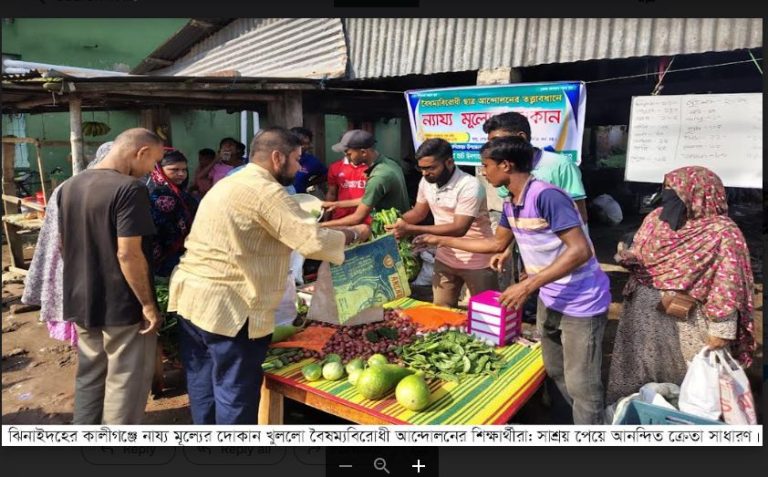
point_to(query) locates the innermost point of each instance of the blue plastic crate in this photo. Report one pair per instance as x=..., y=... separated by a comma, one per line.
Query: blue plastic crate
x=639, y=412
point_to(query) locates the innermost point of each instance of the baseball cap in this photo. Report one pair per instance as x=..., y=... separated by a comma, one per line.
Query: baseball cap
x=355, y=139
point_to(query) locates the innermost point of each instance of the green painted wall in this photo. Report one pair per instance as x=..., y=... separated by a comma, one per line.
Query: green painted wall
x=335, y=127
x=103, y=43
x=111, y=44
x=195, y=130
x=387, y=136
x=55, y=127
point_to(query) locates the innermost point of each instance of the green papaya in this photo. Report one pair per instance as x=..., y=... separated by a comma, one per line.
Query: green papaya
x=283, y=332
x=377, y=381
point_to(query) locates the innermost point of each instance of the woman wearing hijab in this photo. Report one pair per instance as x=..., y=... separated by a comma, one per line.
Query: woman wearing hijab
x=43, y=285
x=690, y=249
x=173, y=210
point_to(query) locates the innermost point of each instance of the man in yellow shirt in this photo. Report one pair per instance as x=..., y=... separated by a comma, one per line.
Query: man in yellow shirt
x=229, y=282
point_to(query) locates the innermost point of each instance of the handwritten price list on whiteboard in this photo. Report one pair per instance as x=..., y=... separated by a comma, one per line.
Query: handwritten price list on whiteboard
x=722, y=132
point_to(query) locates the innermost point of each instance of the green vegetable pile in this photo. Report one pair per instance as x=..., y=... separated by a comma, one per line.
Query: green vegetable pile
x=279, y=357
x=389, y=217
x=375, y=335
x=161, y=292
x=168, y=335
x=450, y=355
x=301, y=307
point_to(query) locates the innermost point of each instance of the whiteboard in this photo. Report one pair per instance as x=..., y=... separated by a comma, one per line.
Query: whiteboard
x=722, y=132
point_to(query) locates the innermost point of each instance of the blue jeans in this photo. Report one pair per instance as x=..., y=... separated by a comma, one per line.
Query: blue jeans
x=572, y=348
x=223, y=374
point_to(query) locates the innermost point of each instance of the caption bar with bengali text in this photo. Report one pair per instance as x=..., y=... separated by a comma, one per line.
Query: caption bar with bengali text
x=346, y=435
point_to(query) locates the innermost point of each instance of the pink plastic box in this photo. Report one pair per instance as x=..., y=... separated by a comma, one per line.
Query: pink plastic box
x=489, y=320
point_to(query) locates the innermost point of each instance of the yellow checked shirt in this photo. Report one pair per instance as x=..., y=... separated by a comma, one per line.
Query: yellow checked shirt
x=235, y=267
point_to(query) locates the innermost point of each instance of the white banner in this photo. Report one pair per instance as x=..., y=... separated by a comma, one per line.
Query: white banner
x=372, y=436
x=555, y=112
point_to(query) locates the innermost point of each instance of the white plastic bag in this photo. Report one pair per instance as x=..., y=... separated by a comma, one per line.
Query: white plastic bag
x=297, y=268
x=652, y=394
x=427, y=269
x=700, y=391
x=286, y=310
x=736, y=401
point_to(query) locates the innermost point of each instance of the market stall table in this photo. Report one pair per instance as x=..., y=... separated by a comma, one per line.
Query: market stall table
x=16, y=225
x=474, y=400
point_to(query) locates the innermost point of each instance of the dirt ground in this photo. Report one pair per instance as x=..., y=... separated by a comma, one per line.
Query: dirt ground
x=38, y=373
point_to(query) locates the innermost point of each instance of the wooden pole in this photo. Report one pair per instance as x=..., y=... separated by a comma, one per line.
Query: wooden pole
x=276, y=113
x=294, y=110
x=9, y=187
x=157, y=120
x=315, y=122
x=76, y=134
x=43, y=179
x=287, y=112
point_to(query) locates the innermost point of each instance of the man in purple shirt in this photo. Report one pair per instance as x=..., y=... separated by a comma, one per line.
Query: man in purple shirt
x=574, y=293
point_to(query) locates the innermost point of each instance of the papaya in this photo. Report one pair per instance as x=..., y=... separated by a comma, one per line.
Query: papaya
x=412, y=392
x=377, y=381
x=283, y=332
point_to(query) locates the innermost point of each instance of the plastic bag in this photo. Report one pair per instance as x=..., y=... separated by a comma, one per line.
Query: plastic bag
x=607, y=209
x=286, y=310
x=660, y=394
x=427, y=269
x=354, y=292
x=297, y=268
x=736, y=401
x=700, y=391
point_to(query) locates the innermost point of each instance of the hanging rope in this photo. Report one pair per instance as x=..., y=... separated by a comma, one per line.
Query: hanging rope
x=693, y=68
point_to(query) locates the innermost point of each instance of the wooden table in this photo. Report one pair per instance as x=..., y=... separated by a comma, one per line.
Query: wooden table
x=476, y=400
x=16, y=225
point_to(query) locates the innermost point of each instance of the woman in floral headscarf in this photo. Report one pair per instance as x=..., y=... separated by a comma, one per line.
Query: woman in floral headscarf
x=690, y=245
x=173, y=210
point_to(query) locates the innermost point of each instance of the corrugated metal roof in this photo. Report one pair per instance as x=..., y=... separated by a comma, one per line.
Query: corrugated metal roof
x=382, y=47
x=30, y=69
x=279, y=47
x=177, y=45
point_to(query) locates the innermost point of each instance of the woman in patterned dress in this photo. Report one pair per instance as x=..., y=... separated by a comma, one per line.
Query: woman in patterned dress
x=173, y=209
x=44, y=286
x=688, y=244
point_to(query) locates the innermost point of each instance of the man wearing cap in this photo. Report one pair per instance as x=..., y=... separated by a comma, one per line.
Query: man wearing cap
x=385, y=188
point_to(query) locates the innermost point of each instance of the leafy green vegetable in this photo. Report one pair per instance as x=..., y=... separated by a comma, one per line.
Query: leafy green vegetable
x=450, y=355
x=387, y=332
x=386, y=217
x=168, y=335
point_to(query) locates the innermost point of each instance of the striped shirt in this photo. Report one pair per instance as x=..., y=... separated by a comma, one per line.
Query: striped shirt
x=238, y=254
x=461, y=195
x=544, y=210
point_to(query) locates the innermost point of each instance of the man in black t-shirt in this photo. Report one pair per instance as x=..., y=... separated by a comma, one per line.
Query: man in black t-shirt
x=106, y=229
